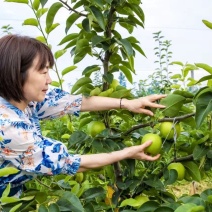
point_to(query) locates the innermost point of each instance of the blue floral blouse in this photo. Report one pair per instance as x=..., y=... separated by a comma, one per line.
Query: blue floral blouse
x=23, y=146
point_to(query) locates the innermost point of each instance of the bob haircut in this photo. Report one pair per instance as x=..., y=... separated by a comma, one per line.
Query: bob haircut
x=17, y=54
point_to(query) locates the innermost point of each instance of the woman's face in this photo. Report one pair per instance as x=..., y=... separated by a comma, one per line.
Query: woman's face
x=37, y=82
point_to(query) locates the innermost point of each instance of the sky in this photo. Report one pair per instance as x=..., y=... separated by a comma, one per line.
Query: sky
x=179, y=20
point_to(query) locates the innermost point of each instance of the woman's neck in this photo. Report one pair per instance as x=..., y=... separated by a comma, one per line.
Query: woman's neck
x=20, y=105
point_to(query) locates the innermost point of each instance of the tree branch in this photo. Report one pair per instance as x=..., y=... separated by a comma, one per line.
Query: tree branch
x=152, y=124
x=71, y=9
x=186, y=158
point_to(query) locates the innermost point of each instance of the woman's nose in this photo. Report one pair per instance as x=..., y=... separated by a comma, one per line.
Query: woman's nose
x=48, y=79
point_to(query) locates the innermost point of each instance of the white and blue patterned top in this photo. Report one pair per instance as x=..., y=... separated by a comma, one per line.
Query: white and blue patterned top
x=23, y=146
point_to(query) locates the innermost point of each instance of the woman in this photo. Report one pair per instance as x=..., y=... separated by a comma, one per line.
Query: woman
x=25, y=99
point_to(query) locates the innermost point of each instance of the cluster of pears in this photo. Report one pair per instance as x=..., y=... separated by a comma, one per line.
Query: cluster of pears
x=168, y=130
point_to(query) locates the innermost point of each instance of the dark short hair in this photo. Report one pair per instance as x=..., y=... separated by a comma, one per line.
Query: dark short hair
x=17, y=54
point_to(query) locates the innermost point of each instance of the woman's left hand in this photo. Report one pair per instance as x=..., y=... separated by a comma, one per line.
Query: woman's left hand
x=140, y=105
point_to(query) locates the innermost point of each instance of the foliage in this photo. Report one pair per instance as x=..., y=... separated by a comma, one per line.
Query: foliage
x=7, y=29
x=116, y=187
x=159, y=81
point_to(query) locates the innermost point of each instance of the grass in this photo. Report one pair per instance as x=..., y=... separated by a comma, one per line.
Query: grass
x=190, y=188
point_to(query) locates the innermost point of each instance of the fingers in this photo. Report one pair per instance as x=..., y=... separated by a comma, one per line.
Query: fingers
x=147, y=112
x=150, y=102
x=151, y=158
x=155, y=97
x=155, y=105
x=146, y=144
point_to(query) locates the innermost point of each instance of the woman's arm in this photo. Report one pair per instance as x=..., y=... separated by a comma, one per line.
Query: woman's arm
x=102, y=159
x=98, y=103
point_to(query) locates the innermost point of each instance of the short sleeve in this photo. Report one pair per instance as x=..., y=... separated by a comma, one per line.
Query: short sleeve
x=58, y=103
x=34, y=154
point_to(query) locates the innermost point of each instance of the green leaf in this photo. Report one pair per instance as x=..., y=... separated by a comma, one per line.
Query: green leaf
x=115, y=59
x=185, y=207
x=68, y=69
x=98, y=16
x=36, y=4
x=54, y=208
x=86, y=25
x=149, y=206
x=127, y=73
x=43, y=208
x=176, y=76
x=68, y=38
x=209, y=84
x=131, y=63
x=70, y=21
x=173, y=103
x=83, y=52
x=13, y=209
x=40, y=197
x=75, y=188
x=5, y=199
x=41, y=11
x=55, y=84
x=99, y=3
x=84, y=121
x=193, y=170
x=6, y=191
x=43, y=2
x=90, y=69
x=78, y=4
x=127, y=46
x=70, y=202
x=96, y=39
x=205, y=78
x=59, y=53
x=131, y=202
x=108, y=77
x=138, y=11
x=127, y=26
x=135, y=20
x=8, y=170
x=138, y=48
x=183, y=93
x=116, y=34
x=124, y=10
x=170, y=176
x=82, y=81
x=27, y=198
x=207, y=23
x=134, y=1
x=41, y=39
x=132, y=39
x=176, y=63
x=51, y=13
x=18, y=1
x=93, y=193
x=81, y=45
x=203, y=106
x=31, y=22
x=187, y=69
x=192, y=199
x=190, y=121
x=199, y=152
x=205, y=67
x=121, y=93
x=53, y=26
